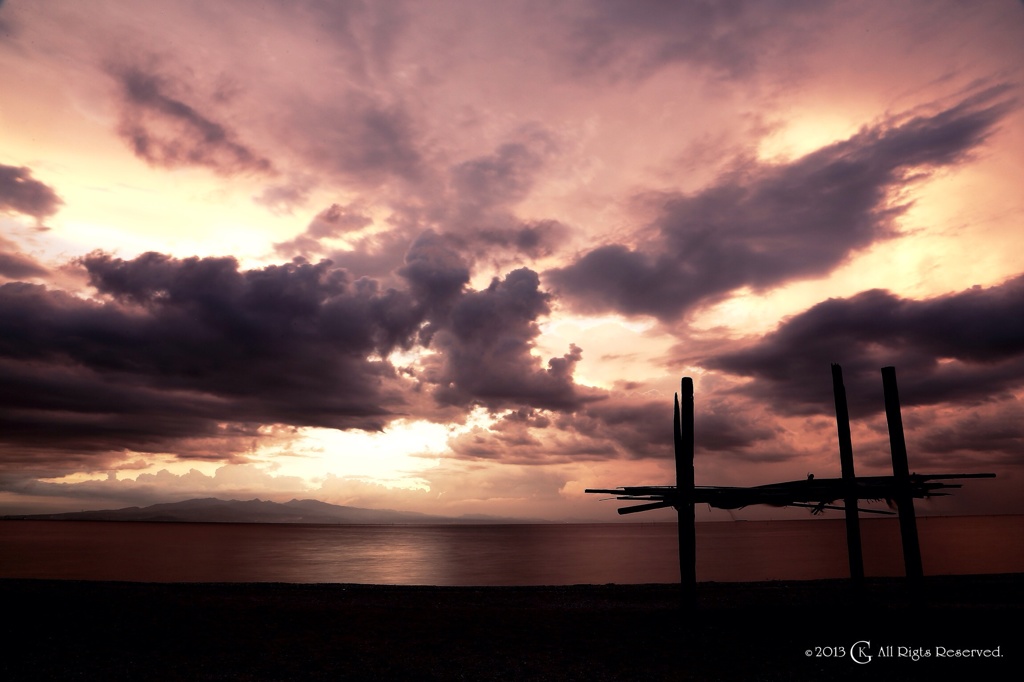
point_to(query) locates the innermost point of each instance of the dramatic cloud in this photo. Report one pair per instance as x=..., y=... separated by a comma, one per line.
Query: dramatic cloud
x=484, y=350
x=762, y=225
x=966, y=347
x=196, y=348
x=456, y=245
x=163, y=130
x=437, y=274
x=179, y=354
x=21, y=193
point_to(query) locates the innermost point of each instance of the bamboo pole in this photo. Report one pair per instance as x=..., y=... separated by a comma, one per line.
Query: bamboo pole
x=683, y=437
x=901, y=473
x=853, y=542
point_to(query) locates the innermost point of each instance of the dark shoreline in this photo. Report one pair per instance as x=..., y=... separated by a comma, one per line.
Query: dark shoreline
x=278, y=631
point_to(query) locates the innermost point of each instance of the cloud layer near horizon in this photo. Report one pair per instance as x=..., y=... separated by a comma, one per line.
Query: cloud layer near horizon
x=171, y=349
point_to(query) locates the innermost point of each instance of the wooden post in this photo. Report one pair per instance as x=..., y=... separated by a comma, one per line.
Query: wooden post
x=683, y=439
x=901, y=473
x=853, y=543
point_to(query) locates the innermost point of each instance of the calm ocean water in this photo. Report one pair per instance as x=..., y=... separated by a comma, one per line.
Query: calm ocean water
x=494, y=555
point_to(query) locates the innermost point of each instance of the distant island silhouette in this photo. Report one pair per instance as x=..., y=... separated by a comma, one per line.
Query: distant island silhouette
x=214, y=510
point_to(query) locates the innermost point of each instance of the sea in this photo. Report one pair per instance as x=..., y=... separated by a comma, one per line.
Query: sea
x=494, y=555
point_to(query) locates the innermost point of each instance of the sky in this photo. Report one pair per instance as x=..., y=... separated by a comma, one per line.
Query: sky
x=455, y=257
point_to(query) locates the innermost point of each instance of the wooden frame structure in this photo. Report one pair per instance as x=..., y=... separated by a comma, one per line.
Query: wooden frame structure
x=817, y=494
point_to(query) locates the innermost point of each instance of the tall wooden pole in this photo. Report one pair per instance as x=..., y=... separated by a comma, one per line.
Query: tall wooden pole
x=683, y=439
x=901, y=472
x=850, y=500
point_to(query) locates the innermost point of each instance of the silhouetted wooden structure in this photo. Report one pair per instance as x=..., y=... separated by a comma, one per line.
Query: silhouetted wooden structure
x=682, y=427
x=853, y=544
x=817, y=494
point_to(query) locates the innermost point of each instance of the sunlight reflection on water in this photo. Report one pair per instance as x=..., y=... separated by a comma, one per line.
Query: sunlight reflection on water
x=493, y=555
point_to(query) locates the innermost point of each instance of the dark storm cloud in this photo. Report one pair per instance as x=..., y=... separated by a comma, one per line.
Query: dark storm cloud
x=483, y=338
x=485, y=345
x=762, y=225
x=59, y=413
x=21, y=193
x=629, y=38
x=164, y=130
x=192, y=356
x=966, y=347
x=183, y=346
x=282, y=306
x=437, y=274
